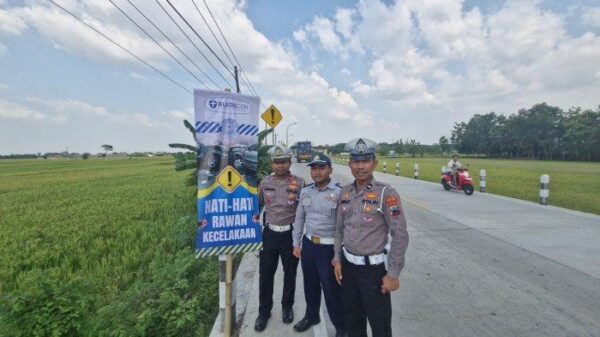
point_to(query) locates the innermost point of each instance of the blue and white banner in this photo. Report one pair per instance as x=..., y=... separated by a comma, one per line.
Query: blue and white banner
x=226, y=136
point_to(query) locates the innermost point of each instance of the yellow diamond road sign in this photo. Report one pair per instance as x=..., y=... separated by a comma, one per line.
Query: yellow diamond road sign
x=272, y=116
x=229, y=179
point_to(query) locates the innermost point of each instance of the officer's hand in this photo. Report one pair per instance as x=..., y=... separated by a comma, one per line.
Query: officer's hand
x=337, y=271
x=297, y=251
x=389, y=284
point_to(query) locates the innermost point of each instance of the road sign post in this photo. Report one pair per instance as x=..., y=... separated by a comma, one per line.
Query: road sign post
x=272, y=116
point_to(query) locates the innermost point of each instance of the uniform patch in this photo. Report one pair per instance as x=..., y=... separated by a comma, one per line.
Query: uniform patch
x=292, y=187
x=371, y=202
x=371, y=196
x=331, y=197
x=367, y=219
x=269, y=194
x=306, y=202
x=268, y=201
x=395, y=210
x=347, y=195
x=367, y=208
x=391, y=201
x=292, y=196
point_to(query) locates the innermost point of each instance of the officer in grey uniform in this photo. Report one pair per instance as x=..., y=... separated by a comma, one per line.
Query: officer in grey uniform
x=314, y=235
x=365, y=265
x=279, y=194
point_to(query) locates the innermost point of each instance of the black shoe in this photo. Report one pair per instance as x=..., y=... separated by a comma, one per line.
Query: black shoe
x=261, y=323
x=341, y=333
x=288, y=316
x=304, y=324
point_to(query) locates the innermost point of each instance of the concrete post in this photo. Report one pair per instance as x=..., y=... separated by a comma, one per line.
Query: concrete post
x=384, y=167
x=416, y=171
x=544, y=189
x=482, y=174
x=226, y=294
x=397, y=169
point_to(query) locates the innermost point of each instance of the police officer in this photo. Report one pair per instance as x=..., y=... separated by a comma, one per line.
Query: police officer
x=278, y=193
x=365, y=265
x=314, y=235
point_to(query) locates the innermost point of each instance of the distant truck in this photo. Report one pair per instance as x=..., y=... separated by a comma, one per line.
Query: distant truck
x=304, y=151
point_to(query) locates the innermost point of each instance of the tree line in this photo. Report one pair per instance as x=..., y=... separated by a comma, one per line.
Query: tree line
x=540, y=132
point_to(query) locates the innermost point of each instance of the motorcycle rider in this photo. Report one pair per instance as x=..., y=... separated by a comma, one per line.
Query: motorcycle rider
x=453, y=166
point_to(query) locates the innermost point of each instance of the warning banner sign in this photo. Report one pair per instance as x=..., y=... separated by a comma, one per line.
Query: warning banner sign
x=226, y=135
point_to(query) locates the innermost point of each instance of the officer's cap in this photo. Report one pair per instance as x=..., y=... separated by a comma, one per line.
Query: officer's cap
x=279, y=153
x=361, y=149
x=320, y=160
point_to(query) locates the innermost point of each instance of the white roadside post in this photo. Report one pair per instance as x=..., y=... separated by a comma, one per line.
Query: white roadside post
x=482, y=174
x=544, y=189
x=416, y=171
x=384, y=167
x=397, y=168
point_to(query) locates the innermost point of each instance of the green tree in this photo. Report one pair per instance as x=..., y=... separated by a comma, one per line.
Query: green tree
x=444, y=145
x=107, y=148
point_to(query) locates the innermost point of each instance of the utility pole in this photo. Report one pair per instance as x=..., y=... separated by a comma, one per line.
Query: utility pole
x=237, y=79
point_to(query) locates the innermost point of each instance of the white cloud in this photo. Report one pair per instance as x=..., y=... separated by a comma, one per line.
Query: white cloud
x=3, y=86
x=10, y=110
x=138, y=76
x=591, y=17
x=11, y=24
x=180, y=115
x=72, y=109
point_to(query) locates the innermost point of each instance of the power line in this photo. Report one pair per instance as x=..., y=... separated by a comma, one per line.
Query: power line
x=200, y=37
x=211, y=31
x=228, y=45
x=161, y=47
x=192, y=42
x=173, y=44
x=123, y=48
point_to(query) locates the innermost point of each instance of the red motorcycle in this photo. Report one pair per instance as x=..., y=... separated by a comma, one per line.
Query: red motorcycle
x=463, y=181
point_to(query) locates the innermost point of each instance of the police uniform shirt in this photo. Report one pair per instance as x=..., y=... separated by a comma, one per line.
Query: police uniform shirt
x=364, y=219
x=280, y=198
x=316, y=212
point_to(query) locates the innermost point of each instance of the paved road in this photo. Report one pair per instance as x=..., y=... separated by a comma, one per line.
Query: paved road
x=483, y=265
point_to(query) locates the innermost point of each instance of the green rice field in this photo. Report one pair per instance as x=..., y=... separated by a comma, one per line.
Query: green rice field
x=101, y=247
x=573, y=185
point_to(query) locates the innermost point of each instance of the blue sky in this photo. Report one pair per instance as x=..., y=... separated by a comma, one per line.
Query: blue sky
x=386, y=70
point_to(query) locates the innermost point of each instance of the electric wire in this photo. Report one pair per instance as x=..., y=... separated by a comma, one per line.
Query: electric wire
x=173, y=44
x=200, y=37
x=228, y=45
x=158, y=43
x=212, y=32
x=192, y=42
x=122, y=48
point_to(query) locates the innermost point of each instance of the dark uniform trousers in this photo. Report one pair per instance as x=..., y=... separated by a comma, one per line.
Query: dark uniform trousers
x=276, y=245
x=362, y=298
x=318, y=271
